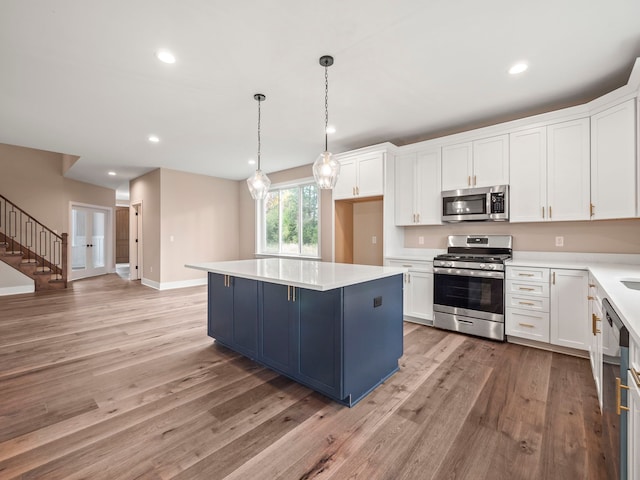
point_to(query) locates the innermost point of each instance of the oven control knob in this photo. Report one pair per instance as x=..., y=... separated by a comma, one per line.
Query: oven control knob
x=448, y=264
x=483, y=266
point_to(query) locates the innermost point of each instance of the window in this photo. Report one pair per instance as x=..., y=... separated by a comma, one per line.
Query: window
x=288, y=221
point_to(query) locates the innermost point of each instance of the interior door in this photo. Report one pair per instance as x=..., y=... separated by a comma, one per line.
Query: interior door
x=89, y=241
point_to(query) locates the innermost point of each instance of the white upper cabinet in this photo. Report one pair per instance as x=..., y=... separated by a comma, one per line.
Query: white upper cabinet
x=613, y=162
x=568, y=170
x=360, y=176
x=528, y=172
x=417, y=188
x=481, y=163
x=550, y=173
x=491, y=161
x=457, y=166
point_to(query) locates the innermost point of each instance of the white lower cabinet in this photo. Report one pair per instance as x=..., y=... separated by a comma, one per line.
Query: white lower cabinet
x=527, y=303
x=418, y=290
x=569, y=308
x=548, y=305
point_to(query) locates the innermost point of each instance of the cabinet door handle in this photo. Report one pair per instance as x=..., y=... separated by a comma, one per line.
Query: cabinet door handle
x=594, y=328
x=619, y=388
x=418, y=216
x=469, y=181
x=592, y=207
x=589, y=297
x=550, y=212
x=542, y=212
x=288, y=293
x=474, y=180
x=525, y=274
x=528, y=325
x=408, y=278
x=293, y=289
x=526, y=289
x=526, y=303
x=592, y=285
x=553, y=275
x=353, y=191
x=407, y=266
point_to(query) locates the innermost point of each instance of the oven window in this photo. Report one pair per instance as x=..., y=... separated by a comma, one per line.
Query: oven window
x=472, y=293
x=466, y=205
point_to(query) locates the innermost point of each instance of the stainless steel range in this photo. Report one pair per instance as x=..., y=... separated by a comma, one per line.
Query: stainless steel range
x=469, y=285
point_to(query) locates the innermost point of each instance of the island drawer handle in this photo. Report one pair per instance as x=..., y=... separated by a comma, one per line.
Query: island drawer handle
x=526, y=303
x=526, y=274
x=528, y=325
x=526, y=289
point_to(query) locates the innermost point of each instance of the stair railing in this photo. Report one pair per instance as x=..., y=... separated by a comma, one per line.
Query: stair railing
x=37, y=243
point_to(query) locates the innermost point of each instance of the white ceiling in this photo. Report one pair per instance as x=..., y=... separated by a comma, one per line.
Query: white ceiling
x=81, y=77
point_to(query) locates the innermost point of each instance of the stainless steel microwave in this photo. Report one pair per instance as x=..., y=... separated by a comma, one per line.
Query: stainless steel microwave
x=476, y=204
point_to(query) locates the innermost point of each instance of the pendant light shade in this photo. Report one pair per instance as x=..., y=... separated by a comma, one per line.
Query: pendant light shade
x=326, y=168
x=259, y=183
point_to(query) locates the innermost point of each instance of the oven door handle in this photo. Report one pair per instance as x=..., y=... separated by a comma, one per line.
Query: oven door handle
x=468, y=273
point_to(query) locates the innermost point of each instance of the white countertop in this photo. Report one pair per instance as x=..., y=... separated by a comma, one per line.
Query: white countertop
x=300, y=273
x=625, y=301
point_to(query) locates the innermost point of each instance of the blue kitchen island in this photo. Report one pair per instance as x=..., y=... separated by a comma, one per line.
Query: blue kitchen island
x=336, y=328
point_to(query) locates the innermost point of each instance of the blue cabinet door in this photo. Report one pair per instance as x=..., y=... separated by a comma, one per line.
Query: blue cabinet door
x=279, y=327
x=372, y=333
x=320, y=325
x=220, y=315
x=245, y=315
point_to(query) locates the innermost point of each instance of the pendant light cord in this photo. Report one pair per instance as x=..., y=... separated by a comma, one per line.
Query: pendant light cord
x=259, y=101
x=326, y=106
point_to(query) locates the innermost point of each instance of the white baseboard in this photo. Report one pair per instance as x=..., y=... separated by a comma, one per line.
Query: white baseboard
x=17, y=290
x=173, y=285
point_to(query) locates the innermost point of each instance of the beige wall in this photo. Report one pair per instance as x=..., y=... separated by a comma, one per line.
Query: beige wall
x=248, y=213
x=604, y=236
x=367, y=223
x=32, y=179
x=146, y=190
x=199, y=223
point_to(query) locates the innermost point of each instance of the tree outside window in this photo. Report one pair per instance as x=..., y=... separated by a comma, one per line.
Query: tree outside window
x=290, y=221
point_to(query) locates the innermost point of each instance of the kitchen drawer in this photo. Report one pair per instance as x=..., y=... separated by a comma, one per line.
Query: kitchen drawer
x=531, y=274
x=527, y=324
x=524, y=302
x=535, y=289
x=413, y=265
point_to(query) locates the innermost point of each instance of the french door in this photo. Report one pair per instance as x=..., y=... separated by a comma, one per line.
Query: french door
x=89, y=241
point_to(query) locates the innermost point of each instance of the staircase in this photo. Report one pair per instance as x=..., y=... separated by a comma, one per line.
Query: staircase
x=32, y=248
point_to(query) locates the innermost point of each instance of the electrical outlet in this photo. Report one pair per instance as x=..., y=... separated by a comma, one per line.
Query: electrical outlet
x=421, y=240
x=559, y=241
x=374, y=240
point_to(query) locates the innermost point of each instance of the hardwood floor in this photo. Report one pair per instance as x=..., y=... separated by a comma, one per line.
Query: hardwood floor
x=113, y=380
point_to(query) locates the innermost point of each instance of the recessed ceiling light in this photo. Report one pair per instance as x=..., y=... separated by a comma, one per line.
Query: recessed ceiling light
x=165, y=56
x=518, y=68
x=113, y=174
x=252, y=162
x=153, y=138
x=331, y=129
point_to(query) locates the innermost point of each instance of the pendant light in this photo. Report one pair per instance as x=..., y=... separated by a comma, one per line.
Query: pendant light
x=326, y=168
x=259, y=183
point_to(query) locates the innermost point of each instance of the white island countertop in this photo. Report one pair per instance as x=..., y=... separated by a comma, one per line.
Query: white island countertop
x=299, y=273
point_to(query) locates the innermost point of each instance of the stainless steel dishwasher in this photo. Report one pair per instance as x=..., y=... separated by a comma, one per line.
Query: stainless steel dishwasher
x=614, y=398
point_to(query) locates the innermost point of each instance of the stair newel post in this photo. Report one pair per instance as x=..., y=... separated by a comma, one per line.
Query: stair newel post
x=64, y=258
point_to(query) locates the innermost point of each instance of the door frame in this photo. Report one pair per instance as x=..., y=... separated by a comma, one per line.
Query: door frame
x=110, y=265
x=135, y=248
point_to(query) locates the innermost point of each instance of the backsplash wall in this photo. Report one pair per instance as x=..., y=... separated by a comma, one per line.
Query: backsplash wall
x=604, y=236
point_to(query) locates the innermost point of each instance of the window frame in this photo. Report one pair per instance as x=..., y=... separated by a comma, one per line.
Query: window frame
x=261, y=237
